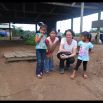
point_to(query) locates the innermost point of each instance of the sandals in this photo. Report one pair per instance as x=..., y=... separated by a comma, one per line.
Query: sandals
x=39, y=76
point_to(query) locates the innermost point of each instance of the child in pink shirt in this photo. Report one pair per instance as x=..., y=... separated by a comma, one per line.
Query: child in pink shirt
x=51, y=43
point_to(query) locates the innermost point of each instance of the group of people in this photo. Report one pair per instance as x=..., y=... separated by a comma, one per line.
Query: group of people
x=68, y=49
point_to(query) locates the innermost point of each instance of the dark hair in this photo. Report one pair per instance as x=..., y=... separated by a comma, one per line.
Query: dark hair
x=69, y=30
x=43, y=26
x=53, y=29
x=87, y=34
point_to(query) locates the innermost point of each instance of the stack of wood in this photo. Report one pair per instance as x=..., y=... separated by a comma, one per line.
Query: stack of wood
x=19, y=55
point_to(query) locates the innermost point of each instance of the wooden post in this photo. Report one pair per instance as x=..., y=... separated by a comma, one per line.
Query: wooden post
x=72, y=24
x=10, y=31
x=36, y=27
x=81, y=19
x=98, y=29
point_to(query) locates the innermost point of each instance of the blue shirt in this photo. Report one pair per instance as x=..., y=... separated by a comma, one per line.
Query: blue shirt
x=41, y=44
x=84, y=50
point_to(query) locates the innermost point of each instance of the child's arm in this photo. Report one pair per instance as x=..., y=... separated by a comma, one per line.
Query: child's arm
x=91, y=48
x=51, y=46
x=47, y=44
x=78, y=50
x=54, y=45
x=91, y=51
x=37, y=38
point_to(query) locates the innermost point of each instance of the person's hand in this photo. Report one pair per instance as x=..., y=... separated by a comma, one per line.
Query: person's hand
x=42, y=35
x=63, y=56
x=49, y=55
x=46, y=50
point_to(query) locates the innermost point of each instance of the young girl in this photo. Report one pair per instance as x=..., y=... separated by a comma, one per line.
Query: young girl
x=84, y=47
x=51, y=43
x=40, y=50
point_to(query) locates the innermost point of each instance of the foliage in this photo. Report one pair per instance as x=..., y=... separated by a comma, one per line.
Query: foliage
x=17, y=31
x=30, y=40
x=27, y=36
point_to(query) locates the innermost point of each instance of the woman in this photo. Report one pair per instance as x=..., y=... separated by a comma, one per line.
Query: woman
x=67, y=50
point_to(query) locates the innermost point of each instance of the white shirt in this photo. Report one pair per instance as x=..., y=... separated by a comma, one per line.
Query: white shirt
x=59, y=34
x=68, y=47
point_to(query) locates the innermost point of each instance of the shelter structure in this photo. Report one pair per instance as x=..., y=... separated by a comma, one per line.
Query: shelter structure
x=47, y=12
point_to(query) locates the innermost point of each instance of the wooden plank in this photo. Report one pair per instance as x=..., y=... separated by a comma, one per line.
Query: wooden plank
x=9, y=54
x=30, y=54
x=19, y=55
x=24, y=54
x=20, y=58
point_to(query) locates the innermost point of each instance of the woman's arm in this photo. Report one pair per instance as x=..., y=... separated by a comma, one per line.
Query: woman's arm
x=63, y=56
x=73, y=52
x=61, y=48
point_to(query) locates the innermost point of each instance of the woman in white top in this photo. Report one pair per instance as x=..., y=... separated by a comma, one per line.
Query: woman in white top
x=67, y=50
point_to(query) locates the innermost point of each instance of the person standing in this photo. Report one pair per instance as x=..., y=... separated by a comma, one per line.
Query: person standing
x=59, y=34
x=85, y=48
x=51, y=42
x=40, y=50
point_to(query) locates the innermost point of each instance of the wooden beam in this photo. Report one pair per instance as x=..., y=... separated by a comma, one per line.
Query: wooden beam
x=73, y=3
x=10, y=30
x=0, y=15
x=43, y=13
x=24, y=8
x=69, y=5
x=37, y=17
x=3, y=6
x=52, y=10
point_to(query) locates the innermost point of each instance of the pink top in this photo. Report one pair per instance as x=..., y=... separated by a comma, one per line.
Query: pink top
x=51, y=45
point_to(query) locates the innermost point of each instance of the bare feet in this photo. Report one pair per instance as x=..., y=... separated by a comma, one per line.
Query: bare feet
x=72, y=76
x=85, y=76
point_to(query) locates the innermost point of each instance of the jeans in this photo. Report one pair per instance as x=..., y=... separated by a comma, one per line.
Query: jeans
x=49, y=64
x=68, y=62
x=40, y=54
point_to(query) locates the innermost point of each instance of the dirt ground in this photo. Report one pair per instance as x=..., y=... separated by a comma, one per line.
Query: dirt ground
x=18, y=80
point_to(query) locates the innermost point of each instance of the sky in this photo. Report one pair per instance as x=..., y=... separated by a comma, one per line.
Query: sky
x=87, y=23
x=30, y=27
x=66, y=24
